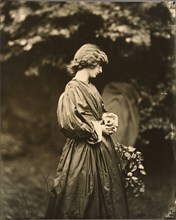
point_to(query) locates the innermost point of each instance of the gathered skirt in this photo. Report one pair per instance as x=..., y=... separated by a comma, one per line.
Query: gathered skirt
x=88, y=183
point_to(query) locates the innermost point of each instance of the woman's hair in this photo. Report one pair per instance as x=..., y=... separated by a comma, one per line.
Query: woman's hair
x=88, y=56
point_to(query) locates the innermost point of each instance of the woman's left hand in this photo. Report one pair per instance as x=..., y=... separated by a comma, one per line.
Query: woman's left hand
x=111, y=129
x=106, y=130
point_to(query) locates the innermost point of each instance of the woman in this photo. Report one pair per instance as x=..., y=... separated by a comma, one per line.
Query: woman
x=88, y=182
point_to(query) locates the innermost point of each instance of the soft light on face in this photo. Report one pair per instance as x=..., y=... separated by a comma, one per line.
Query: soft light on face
x=95, y=71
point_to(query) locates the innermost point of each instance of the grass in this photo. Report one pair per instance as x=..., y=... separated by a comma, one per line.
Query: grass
x=27, y=178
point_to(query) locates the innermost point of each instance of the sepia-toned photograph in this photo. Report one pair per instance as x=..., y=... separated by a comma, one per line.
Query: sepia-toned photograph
x=88, y=102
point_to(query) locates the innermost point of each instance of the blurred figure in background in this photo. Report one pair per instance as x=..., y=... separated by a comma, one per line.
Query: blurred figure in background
x=123, y=99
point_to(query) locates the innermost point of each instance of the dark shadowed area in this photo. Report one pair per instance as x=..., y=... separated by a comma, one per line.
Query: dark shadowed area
x=38, y=40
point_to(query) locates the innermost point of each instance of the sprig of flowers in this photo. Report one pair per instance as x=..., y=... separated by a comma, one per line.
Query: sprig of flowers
x=133, y=168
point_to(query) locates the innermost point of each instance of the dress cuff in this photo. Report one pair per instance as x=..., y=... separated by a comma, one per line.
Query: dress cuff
x=98, y=132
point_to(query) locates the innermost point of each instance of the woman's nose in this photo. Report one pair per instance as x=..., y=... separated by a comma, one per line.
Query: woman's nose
x=100, y=69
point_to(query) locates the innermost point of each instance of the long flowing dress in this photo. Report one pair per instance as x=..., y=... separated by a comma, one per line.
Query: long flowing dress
x=88, y=182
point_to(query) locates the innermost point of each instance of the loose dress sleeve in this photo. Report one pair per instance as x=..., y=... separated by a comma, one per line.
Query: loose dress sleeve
x=75, y=118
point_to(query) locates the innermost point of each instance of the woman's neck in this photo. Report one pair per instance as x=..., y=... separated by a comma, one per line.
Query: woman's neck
x=82, y=75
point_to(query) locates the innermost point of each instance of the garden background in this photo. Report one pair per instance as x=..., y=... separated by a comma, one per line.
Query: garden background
x=38, y=40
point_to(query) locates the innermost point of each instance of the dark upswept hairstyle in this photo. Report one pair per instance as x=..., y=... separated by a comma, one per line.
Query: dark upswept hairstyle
x=88, y=56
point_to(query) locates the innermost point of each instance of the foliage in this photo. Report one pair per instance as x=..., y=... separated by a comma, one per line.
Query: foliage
x=158, y=111
x=25, y=23
x=133, y=167
x=171, y=213
x=138, y=38
x=39, y=38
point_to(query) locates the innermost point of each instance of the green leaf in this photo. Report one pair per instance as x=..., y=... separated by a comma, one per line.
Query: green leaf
x=142, y=190
x=133, y=156
x=131, y=149
x=134, y=178
x=141, y=166
x=131, y=165
x=127, y=155
x=134, y=168
x=143, y=172
x=129, y=174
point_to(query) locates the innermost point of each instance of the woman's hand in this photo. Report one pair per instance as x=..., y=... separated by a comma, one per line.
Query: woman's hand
x=107, y=130
x=104, y=130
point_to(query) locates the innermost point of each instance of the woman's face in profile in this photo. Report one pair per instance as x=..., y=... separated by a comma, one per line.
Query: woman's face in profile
x=93, y=72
